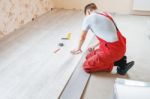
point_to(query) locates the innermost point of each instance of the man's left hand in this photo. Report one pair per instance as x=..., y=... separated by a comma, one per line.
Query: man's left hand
x=76, y=51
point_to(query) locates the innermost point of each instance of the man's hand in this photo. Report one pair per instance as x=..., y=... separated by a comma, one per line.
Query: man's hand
x=82, y=39
x=90, y=49
x=76, y=51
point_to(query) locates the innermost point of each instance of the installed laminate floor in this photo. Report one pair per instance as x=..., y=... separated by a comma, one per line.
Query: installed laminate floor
x=28, y=67
x=30, y=70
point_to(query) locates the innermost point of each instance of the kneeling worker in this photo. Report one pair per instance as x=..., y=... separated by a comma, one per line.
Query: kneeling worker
x=112, y=44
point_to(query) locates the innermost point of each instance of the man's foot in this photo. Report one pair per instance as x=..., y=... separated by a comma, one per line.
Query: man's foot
x=127, y=67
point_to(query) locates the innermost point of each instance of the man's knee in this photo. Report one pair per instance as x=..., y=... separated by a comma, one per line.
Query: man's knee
x=88, y=70
x=86, y=67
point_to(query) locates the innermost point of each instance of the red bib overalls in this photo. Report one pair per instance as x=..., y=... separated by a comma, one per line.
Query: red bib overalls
x=103, y=58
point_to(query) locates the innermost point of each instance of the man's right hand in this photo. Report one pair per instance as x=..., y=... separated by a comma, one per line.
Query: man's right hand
x=76, y=51
x=90, y=49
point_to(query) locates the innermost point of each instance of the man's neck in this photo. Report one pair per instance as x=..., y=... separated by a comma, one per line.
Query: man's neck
x=94, y=11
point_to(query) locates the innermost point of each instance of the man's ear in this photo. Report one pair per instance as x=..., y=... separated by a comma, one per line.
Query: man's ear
x=88, y=11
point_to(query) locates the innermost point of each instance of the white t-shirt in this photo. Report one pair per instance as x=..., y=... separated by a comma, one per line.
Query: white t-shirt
x=101, y=26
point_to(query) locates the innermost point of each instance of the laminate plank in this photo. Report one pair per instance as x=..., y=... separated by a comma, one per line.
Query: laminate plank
x=29, y=69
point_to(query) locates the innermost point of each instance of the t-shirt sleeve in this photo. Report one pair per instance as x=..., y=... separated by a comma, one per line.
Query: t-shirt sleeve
x=85, y=25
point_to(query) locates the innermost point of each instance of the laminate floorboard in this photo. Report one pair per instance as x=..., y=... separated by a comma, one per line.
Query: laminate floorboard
x=28, y=67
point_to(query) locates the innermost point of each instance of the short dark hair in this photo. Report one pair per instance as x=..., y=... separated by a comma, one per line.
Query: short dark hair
x=91, y=6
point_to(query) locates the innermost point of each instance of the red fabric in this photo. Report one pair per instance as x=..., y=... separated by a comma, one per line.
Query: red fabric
x=103, y=58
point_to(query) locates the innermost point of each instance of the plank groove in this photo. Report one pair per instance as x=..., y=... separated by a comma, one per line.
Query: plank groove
x=28, y=67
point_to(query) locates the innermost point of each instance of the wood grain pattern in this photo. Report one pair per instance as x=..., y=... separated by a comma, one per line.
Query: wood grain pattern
x=77, y=83
x=28, y=67
x=79, y=79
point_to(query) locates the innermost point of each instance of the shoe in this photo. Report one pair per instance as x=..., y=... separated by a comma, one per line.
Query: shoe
x=127, y=67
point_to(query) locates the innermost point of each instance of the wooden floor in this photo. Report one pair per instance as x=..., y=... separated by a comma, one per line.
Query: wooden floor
x=28, y=67
x=137, y=31
x=30, y=70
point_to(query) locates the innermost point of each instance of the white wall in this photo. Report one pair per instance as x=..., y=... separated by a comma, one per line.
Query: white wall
x=143, y=5
x=121, y=6
x=117, y=6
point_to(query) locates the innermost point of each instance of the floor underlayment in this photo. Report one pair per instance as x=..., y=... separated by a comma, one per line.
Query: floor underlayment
x=137, y=31
x=30, y=70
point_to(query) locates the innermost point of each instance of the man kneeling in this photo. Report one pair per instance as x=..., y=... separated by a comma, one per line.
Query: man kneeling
x=112, y=44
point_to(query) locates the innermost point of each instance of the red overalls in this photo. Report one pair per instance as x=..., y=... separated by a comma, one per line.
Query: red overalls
x=103, y=58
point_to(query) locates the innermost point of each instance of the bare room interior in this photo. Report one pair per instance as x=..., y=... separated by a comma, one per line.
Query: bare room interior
x=38, y=60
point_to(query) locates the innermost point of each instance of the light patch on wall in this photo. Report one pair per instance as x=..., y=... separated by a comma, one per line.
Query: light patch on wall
x=15, y=13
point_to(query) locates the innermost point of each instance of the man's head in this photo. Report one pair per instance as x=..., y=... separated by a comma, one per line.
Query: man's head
x=89, y=8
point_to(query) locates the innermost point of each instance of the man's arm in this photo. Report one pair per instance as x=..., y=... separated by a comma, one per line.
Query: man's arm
x=81, y=41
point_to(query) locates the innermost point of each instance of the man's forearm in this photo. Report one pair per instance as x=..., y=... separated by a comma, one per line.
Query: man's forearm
x=81, y=42
x=82, y=39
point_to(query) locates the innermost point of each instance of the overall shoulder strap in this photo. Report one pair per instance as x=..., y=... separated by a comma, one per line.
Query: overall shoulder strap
x=110, y=17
